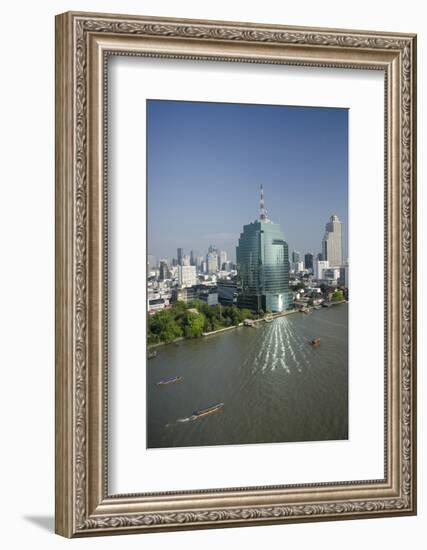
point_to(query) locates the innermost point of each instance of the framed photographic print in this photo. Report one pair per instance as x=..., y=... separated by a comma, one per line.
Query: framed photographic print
x=235, y=274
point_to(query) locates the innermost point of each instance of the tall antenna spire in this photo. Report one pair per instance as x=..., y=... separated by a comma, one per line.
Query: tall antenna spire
x=262, y=211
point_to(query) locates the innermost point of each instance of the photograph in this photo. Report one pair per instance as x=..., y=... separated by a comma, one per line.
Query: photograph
x=235, y=271
x=247, y=274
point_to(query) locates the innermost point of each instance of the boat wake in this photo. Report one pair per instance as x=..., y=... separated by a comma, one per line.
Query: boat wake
x=187, y=419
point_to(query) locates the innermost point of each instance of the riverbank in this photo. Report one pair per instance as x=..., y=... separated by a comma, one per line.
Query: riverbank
x=330, y=304
x=224, y=329
x=273, y=316
x=253, y=321
x=159, y=344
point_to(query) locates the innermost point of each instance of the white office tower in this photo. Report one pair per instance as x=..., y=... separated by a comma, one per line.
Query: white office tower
x=332, y=242
x=222, y=258
x=212, y=262
x=187, y=275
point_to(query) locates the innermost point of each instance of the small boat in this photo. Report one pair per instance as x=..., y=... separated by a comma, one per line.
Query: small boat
x=171, y=380
x=204, y=412
x=317, y=307
x=270, y=320
x=315, y=342
x=151, y=354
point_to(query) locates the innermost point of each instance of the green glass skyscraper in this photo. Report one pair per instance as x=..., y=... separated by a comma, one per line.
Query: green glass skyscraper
x=263, y=265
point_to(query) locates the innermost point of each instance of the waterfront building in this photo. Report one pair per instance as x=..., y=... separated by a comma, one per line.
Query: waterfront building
x=179, y=255
x=156, y=304
x=187, y=275
x=331, y=274
x=208, y=294
x=343, y=280
x=319, y=267
x=332, y=250
x=227, y=291
x=308, y=260
x=263, y=265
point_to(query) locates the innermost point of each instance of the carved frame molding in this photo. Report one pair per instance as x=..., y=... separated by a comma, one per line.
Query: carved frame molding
x=83, y=42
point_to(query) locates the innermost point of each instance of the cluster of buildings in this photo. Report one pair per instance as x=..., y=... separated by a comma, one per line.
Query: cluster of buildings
x=328, y=265
x=263, y=278
x=188, y=277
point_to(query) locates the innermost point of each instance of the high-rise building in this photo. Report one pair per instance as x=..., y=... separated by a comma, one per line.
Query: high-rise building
x=186, y=260
x=187, y=275
x=222, y=258
x=199, y=263
x=308, y=260
x=164, y=270
x=332, y=242
x=297, y=267
x=212, y=262
x=263, y=265
x=192, y=258
x=179, y=255
x=151, y=262
x=227, y=266
x=296, y=257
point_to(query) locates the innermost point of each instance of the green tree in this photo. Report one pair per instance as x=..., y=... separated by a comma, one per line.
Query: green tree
x=337, y=296
x=245, y=314
x=195, y=323
x=163, y=327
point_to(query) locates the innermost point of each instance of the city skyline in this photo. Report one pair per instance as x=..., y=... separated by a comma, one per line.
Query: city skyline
x=302, y=254
x=218, y=155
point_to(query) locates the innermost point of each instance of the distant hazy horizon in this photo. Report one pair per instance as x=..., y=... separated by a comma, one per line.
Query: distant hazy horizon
x=206, y=162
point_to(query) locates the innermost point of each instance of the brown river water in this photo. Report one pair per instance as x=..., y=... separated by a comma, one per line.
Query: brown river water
x=275, y=386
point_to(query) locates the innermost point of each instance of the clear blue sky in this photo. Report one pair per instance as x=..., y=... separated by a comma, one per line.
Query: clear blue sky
x=206, y=162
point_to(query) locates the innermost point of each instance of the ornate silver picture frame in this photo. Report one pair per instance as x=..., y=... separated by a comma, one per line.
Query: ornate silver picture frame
x=84, y=505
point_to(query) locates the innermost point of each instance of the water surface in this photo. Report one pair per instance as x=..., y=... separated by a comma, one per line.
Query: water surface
x=275, y=386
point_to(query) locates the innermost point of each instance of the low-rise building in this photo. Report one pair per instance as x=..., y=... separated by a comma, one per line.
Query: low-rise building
x=156, y=304
x=227, y=291
x=319, y=267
